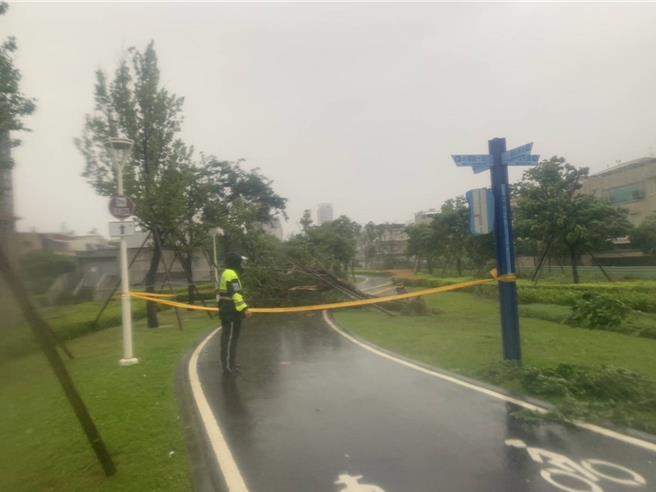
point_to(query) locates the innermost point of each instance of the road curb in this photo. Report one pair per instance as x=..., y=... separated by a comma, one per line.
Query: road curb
x=206, y=475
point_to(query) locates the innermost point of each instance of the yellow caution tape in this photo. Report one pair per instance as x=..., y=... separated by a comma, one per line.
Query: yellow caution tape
x=151, y=294
x=175, y=304
x=508, y=277
x=336, y=305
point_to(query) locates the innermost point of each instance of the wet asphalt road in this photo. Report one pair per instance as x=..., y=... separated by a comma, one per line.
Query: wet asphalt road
x=311, y=406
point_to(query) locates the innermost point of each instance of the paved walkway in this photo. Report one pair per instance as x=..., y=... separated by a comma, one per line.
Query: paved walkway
x=316, y=412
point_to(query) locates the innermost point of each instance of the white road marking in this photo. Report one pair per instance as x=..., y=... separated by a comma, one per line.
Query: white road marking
x=549, y=474
x=641, y=443
x=630, y=477
x=586, y=472
x=222, y=454
x=352, y=484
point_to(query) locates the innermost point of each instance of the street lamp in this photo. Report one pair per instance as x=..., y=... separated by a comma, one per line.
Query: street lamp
x=216, y=231
x=119, y=151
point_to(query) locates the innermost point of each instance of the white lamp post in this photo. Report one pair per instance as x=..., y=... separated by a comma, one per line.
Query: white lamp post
x=216, y=231
x=119, y=151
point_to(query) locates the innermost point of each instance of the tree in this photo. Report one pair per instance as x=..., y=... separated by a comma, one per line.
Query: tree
x=223, y=194
x=332, y=245
x=422, y=244
x=481, y=250
x=644, y=236
x=306, y=221
x=451, y=228
x=135, y=105
x=550, y=210
x=14, y=105
x=370, y=238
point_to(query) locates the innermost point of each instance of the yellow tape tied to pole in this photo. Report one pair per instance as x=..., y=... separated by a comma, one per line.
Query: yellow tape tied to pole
x=335, y=305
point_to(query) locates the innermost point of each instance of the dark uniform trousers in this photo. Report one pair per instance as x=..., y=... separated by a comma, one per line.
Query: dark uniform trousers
x=230, y=329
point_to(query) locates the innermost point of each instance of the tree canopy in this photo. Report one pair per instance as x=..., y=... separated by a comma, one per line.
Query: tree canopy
x=332, y=245
x=643, y=237
x=136, y=105
x=551, y=210
x=179, y=198
x=14, y=105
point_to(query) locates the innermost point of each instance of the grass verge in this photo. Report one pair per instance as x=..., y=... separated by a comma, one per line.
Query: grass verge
x=135, y=409
x=465, y=338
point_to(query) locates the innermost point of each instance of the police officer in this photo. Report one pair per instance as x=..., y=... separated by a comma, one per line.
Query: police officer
x=232, y=309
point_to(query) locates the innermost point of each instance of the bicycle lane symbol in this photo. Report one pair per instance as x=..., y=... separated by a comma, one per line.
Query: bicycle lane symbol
x=587, y=474
x=352, y=484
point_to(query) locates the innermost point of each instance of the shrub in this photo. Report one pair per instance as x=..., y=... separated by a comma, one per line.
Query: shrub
x=584, y=383
x=598, y=311
x=640, y=296
x=598, y=393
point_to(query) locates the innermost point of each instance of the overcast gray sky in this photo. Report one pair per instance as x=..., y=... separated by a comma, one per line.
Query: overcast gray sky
x=357, y=105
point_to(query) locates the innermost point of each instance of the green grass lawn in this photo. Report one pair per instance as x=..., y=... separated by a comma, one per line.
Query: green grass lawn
x=135, y=410
x=465, y=337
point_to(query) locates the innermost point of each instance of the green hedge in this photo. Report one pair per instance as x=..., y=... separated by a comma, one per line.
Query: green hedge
x=640, y=296
x=430, y=282
x=67, y=322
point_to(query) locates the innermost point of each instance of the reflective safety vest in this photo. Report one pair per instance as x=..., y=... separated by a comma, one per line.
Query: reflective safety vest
x=230, y=290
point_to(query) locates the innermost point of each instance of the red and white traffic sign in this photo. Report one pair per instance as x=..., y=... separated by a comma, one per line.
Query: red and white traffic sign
x=121, y=207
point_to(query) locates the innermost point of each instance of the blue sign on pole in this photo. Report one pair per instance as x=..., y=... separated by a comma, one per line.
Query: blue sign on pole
x=516, y=153
x=526, y=160
x=472, y=160
x=481, y=211
x=519, y=156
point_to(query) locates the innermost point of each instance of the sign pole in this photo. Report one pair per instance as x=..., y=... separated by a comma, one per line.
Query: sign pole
x=505, y=251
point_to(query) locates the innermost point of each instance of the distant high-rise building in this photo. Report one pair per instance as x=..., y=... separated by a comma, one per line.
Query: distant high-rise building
x=324, y=213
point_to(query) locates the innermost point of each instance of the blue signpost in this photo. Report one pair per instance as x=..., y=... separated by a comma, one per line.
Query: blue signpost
x=497, y=161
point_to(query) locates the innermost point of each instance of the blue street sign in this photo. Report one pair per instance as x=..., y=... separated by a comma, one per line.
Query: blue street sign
x=519, y=156
x=473, y=160
x=516, y=153
x=525, y=160
x=481, y=211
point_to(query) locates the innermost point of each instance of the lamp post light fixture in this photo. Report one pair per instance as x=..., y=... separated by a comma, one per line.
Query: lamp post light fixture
x=119, y=151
